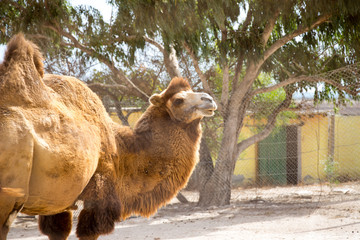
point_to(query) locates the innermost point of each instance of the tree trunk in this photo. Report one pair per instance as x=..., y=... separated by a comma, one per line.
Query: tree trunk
x=203, y=170
x=217, y=190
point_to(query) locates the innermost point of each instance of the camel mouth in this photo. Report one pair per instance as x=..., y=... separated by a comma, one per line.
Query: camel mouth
x=208, y=109
x=208, y=112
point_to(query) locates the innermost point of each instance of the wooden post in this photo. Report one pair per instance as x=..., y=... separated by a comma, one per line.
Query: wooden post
x=331, y=138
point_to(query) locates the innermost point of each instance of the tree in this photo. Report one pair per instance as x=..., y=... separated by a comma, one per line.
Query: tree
x=290, y=40
x=228, y=43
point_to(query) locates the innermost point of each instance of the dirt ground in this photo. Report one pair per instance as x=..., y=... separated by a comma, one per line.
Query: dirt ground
x=303, y=212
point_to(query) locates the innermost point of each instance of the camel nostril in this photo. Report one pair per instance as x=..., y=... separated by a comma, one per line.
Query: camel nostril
x=206, y=99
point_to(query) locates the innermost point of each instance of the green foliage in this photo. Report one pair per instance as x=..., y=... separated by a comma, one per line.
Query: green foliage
x=31, y=17
x=263, y=104
x=219, y=32
x=216, y=30
x=331, y=169
x=145, y=79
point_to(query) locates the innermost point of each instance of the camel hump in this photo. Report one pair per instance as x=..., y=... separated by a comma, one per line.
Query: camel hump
x=21, y=50
x=21, y=73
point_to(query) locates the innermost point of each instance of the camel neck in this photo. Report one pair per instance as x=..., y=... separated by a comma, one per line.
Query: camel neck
x=156, y=160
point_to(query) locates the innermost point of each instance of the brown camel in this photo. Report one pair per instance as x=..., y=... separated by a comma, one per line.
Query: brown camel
x=58, y=145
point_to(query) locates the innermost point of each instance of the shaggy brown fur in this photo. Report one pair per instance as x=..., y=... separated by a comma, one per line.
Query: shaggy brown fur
x=66, y=148
x=56, y=226
x=159, y=155
x=101, y=207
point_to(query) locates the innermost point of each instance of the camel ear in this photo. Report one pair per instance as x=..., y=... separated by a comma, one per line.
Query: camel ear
x=156, y=100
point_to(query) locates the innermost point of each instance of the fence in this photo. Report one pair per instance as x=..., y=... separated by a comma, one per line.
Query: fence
x=316, y=145
x=321, y=143
x=320, y=146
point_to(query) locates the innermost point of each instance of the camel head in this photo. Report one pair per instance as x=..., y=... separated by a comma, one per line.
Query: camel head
x=182, y=104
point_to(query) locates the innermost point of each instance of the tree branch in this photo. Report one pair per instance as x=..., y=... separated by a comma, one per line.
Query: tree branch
x=271, y=122
x=242, y=111
x=269, y=27
x=316, y=78
x=156, y=44
x=238, y=68
x=197, y=68
x=170, y=59
x=302, y=29
x=122, y=88
x=225, y=81
x=240, y=59
x=171, y=63
x=225, y=86
x=278, y=85
x=254, y=67
x=101, y=58
x=103, y=91
x=247, y=19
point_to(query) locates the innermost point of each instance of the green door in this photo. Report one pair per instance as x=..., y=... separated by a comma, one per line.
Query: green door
x=272, y=158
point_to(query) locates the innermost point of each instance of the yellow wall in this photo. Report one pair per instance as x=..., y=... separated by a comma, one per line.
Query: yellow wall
x=314, y=136
x=347, y=145
x=132, y=118
x=314, y=147
x=246, y=164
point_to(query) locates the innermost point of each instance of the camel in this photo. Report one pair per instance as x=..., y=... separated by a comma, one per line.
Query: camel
x=58, y=145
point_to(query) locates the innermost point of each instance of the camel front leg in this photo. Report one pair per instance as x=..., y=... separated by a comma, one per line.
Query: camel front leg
x=9, y=209
x=101, y=209
x=5, y=222
x=16, y=154
x=97, y=220
x=56, y=227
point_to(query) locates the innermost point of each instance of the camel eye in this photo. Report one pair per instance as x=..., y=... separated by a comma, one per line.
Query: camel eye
x=178, y=101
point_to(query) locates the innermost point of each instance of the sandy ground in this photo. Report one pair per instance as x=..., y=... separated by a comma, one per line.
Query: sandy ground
x=302, y=212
